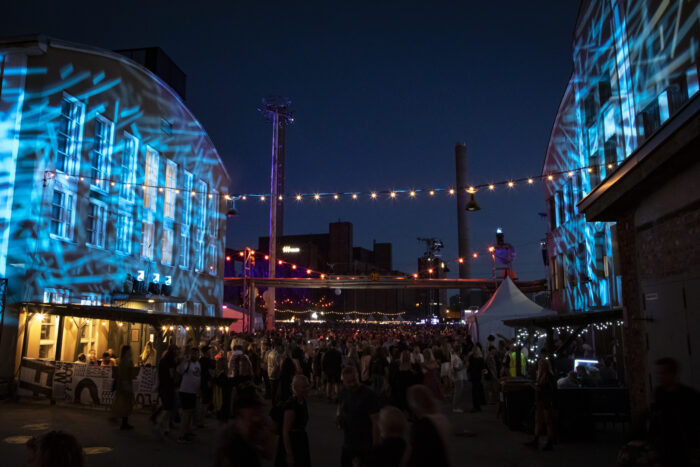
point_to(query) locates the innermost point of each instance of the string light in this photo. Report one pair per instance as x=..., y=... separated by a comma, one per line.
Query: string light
x=510, y=184
x=432, y=192
x=452, y=191
x=412, y=194
x=392, y=194
x=335, y=196
x=317, y=196
x=491, y=187
x=460, y=260
x=373, y=195
x=298, y=197
x=530, y=181
x=262, y=198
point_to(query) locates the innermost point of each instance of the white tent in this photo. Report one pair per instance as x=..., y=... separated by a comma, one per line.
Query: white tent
x=507, y=302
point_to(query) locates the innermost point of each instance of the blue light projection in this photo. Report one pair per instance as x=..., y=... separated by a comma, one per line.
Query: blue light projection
x=66, y=112
x=635, y=66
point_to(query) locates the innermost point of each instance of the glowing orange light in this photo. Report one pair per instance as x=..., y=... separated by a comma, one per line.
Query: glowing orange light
x=471, y=189
x=267, y=257
x=589, y=170
x=111, y=183
x=244, y=197
x=412, y=194
x=430, y=271
x=280, y=262
x=308, y=271
x=452, y=191
x=510, y=184
x=530, y=181
x=491, y=187
x=550, y=177
x=475, y=255
x=491, y=249
x=298, y=197
x=228, y=258
x=373, y=195
x=354, y=196
x=193, y=193
x=610, y=166
x=415, y=276
x=392, y=194
x=432, y=192
x=280, y=197
x=294, y=266
x=262, y=198
x=241, y=254
x=317, y=196
x=570, y=174
x=323, y=276
x=335, y=196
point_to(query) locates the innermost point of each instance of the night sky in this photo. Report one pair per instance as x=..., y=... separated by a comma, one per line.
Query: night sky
x=381, y=92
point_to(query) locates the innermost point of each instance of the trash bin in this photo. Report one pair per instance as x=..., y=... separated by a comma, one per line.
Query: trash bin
x=518, y=402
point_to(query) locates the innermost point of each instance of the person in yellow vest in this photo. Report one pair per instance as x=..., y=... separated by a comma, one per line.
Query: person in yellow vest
x=516, y=362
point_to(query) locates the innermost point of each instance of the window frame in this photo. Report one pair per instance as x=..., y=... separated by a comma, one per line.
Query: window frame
x=97, y=236
x=150, y=179
x=127, y=190
x=170, y=200
x=72, y=135
x=100, y=156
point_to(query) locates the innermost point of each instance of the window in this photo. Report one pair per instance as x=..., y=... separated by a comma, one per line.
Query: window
x=199, y=251
x=551, y=204
x=150, y=195
x=664, y=112
x=691, y=77
x=201, y=204
x=569, y=194
x=594, y=164
x=96, y=224
x=125, y=228
x=184, y=247
x=561, y=212
x=187, y=199
x=599, y=245
x=147, y=237
x=180, y=308
x=212, y=259
x=69, y=135
x=609, y=124
x=166, y=255
x=213, y=226
x=62, y=205
x=49, y=324
x=170, y=186
x=101, y=152
x=210, y=310
x=592, y=137
x=197, y=309
x=128, y=176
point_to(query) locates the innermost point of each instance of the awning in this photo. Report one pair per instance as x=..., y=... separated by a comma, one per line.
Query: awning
x=127, y=315
x=570, y=319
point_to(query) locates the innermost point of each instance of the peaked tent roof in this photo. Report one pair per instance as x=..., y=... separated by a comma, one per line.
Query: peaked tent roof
x=508, y=302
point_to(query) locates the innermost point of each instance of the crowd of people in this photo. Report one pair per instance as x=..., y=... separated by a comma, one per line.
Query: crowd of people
x=390, y=388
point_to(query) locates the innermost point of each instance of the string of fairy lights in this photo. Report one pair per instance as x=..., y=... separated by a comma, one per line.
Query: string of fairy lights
x=391, y=194
x=312, y=273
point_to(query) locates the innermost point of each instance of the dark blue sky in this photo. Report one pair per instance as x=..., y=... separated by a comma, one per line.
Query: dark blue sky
x=381, y=92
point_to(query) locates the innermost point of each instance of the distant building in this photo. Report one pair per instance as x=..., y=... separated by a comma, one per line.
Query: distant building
x=111, y=201
x=624, y=214
x=328, y=253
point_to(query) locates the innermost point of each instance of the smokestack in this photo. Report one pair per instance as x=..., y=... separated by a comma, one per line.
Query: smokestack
x=462, y=225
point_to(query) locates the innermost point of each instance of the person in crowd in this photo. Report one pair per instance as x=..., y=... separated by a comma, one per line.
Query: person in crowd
x=82, y=358
x=124, y=388
x=107, y=360
x=55, y=449
x=248, y=440
x=274, y=364
x=190, y=385
x=445, y=368
x=475, y=372
x=293, y=447
x=491, y=376
x=431, y=374
x=568, y=382
x=392, y=450
x=317, y=366
x=148, y=356
x=608, y=375
x=92, y=358
x=206, y=364
x=357, y=415
x=429, y=432
x=287, y=371
x=673, y=429
x=110, y=352
x=545, y=386
x=459, y=373
x=379, y=369
x=221, y=391
x=515, y=362
x=265, y=349
x=164, y=415
x=332, y=365
x=404, y=379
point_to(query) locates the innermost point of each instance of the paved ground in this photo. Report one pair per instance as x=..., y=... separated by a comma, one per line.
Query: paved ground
x=493, y=444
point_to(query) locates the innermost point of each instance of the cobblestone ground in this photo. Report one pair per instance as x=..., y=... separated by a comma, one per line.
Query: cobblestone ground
x=491, y=443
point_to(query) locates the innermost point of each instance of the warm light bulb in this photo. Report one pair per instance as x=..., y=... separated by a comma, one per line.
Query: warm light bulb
x=335, y=196
x=228, y=258
x=475, y=255
x=550, y=177
x=570, y=174
x=460, y=260
x=590, y=170
x=294, y=266
x=471, y=189
x=298, y=197
x=415, y=276
x=112, y=183
x=308, y=271
x=392, y=194
x=412, y=194
x=160, y=189
x=373, y=195
x=491, y=187
x=530, y=181
x=193, y=193
x=354, y=196
x=452, y=191
x=317, y=196
x=280, y=262
x=430, y=271
x=323, y=276
x=610, y=166
x=280, y=197
x=432, y=192
x=510, y=184
x=262, y=198
x=267, y=257
x=244, y=197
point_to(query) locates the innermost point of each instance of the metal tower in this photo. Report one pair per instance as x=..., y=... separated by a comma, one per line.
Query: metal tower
x=276, y=110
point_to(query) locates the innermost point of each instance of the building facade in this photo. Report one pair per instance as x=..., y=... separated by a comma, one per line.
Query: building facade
x=111, y=194
x=634, y=87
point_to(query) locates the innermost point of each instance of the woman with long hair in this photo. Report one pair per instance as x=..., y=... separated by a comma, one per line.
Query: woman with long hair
x=545, y=385
x=475, y=370
x=431, y=374
x=124, y=388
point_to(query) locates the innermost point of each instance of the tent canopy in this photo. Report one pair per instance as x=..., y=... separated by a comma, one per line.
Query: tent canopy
x=507, y=303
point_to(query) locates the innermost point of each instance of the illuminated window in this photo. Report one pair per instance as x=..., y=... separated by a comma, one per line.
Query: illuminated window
x=199, y=251
x=49, y=325
x=213, y=225
x=592, y=137
x=96, y=224
x=166, y=255
x=125, y=228
x=664, y=112
x=170, y=185
x=101, y=152
x=62, y=206
x=609, y=125
x=147, y=237
x=128, y=175
x=210, y=310
x=69, y=135
x=197, y=309
x=150, y=193
x=212, y=259
x=184, y=247
x=187, y=198
x=201, y=220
